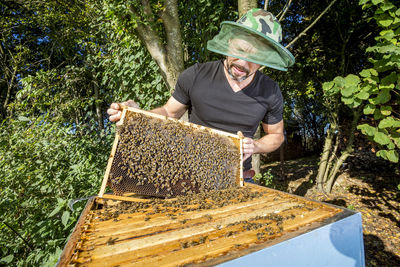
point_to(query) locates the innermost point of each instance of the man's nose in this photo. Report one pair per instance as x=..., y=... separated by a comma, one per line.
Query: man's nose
x=242, y=62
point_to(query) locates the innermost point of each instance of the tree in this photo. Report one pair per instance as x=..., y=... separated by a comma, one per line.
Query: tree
x=52, y=144
x=158, y=27
x=372, y=93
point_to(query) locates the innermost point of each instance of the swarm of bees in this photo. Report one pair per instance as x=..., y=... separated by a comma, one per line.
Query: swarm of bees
x=167, y=158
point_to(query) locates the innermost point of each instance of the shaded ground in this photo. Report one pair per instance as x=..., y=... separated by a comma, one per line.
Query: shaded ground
x=375, y=195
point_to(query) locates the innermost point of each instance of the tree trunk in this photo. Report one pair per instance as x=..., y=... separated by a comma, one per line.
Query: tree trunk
x=331, y=160
x=168, y=56
x=323, y=162
x=255, y=159
x=9, y=89
x=282, y=160
x=347, y=152
x=99, y=112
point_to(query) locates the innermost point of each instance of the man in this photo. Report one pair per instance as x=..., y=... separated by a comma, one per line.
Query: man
x=231, y=94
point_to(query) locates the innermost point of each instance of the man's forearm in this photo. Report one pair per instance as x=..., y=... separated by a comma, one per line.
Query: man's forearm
x=160, y=111
x=165, y=112
x=268, y=143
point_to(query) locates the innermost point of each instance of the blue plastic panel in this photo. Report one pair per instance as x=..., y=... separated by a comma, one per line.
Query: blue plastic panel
x=336, y=244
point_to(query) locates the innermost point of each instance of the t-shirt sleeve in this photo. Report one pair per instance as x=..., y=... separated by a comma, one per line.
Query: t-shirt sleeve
x=275, y=111
x=184, y=85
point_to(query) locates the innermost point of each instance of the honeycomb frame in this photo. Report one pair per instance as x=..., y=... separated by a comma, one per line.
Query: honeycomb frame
x=149, y=189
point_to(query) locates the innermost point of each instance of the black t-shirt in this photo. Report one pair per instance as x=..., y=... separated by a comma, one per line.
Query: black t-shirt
x=212, y=102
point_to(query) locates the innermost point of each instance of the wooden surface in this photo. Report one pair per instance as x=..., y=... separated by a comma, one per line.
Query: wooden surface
x=108, y=235
x=109, y=164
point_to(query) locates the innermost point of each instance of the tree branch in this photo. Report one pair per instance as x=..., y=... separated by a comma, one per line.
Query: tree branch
x=266, y=4
x=285, y=9
x=311, y=25
x=15, y=231
x=149, y=37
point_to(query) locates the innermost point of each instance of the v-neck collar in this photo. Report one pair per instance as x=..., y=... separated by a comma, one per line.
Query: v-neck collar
x=228, y=85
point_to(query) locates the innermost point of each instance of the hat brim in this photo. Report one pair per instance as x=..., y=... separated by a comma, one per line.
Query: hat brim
x=283, y=53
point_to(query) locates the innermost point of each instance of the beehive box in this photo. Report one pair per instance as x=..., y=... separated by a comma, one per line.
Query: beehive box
x=160, y=156
x=248, y=226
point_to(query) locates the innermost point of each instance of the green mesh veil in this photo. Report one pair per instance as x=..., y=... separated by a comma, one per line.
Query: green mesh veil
x=238, y=40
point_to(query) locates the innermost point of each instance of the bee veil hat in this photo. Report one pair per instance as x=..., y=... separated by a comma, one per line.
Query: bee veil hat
x=256, y=38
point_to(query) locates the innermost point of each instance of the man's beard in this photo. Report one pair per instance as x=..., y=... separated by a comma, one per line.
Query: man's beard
x=241, y=68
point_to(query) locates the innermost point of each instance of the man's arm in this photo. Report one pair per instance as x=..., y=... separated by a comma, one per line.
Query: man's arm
x=270, y=142
x=172, y=108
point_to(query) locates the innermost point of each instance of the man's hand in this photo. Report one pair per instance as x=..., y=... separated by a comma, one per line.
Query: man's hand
x=266, y=144
x=115, y=109
x=248, y=147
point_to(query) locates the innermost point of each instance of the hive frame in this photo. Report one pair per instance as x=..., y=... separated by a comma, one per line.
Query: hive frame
x=237, y=139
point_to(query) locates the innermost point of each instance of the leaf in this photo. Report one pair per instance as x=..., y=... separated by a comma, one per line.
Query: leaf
x=352, y=79
x=327, y=85
x=348, y=91
x=347, y=101
x=23, y=118
x=381, y=138
x=65, y=217
x=365, y=73
x=386, y=110
x=7, y=259
x=389, y=79
x=384, y=20
x=369, y=109
x=386, y=6
x=55, y=211
x=387, y=34
x=357, y=102
x=386, y=123
x=390, y=155
x=373, y=72
x=396, y=141
x=367, y=129
x=362, y=95
x=339, y=81
x=375, y=2
x=382, y=97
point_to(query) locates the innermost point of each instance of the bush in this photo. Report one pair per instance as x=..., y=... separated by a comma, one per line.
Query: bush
x=42, y=167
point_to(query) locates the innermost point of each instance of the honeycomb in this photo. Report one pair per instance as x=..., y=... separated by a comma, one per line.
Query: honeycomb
x=167, y=158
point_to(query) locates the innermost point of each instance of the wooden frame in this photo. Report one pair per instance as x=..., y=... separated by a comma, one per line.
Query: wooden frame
x=237, y=139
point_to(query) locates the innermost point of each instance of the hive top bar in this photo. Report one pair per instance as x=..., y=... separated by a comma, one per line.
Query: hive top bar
x=159, y=156
x=202, y=229
x=154, y=115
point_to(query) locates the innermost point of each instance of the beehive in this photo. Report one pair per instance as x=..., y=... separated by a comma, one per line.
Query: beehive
x=203, y=229
x=159, y=156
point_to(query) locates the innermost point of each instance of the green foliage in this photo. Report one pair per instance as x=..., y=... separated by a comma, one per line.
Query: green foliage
x=129, y=72
x=333, y=46
x=55, y=140
x=377, y=89
x=265, y=179
x=200, y=22
x=42, y=167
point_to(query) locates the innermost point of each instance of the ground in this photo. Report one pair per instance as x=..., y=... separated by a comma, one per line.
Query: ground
x=375, y=195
